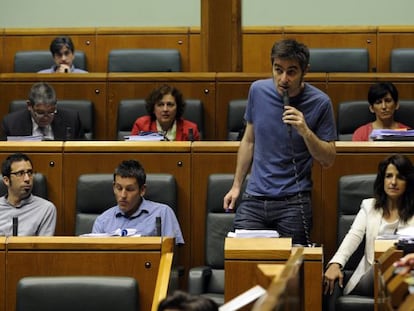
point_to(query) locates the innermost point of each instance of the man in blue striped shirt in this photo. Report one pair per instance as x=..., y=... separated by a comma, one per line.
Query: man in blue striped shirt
x=133, y=211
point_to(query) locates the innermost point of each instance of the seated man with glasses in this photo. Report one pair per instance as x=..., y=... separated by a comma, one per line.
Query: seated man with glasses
x=32, y=215
x=43, y=118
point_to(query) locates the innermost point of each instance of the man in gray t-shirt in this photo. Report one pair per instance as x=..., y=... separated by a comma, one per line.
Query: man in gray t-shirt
x=33, y=215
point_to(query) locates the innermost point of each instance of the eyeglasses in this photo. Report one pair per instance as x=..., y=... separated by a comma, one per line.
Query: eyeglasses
x=23, y=173
x=40, y=114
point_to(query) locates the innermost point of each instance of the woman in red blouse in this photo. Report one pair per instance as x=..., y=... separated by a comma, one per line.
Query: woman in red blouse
x=165, y=106
x=383, y=101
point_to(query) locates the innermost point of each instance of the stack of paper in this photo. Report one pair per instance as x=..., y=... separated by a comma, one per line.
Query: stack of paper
x=146, y=137
x=406, y=232
x=245, y=233
x=383, y=134
x=117, y=232
x=25, y=138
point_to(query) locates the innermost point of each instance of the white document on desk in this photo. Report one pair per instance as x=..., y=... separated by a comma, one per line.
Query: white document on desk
x=246, y=233
x=117, y=232
x=147, y=137
x=407, y=232
x=25, y=138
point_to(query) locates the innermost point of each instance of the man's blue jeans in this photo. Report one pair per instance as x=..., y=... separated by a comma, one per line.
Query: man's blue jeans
x=289, y=216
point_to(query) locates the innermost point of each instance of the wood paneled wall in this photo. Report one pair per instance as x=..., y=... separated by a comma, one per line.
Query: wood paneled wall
x=256, y=42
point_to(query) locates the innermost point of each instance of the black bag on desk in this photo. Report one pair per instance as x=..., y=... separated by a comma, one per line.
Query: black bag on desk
x=406, y=245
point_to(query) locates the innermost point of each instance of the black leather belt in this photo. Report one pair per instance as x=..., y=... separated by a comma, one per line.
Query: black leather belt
x=267, y=198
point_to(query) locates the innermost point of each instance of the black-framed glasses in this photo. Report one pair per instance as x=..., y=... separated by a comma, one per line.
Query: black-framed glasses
x=40, y=114
x=23, y=173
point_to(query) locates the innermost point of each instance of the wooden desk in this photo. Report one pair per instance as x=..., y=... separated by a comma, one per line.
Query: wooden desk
x=392, y=288
x=191, y=164
x=138, y=257
x=243, y=255
x=381, y=246
x=286, y=290
x=313, y=267
x=3, y=281
x=268, y=273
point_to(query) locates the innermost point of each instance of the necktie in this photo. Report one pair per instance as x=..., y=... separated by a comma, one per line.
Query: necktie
x=43, y=131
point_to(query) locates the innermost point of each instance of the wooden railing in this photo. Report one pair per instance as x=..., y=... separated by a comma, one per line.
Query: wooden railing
x=96, y=42
x=215, y=90
x=191, y=164
x=147, y=259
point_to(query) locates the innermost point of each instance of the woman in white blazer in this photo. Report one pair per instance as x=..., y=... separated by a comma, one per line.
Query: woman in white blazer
x=391, y=209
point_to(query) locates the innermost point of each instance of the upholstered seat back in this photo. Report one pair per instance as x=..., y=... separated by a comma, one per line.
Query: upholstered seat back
x=352, y=189
x=94, y=195
x=218, y=222
x=128, y=111
x=235, y=118
x=208, y=280
x=194, y=112
x=34, y=61
x=402, y=60
x=131, y=109
x=353, y=114
x=85, y=108
x=144, y=60
x=339, y=60
x=68, y=293
x=39, y=186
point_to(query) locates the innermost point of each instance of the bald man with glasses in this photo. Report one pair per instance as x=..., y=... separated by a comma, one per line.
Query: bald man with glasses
x=21, y=212
x=43, y=118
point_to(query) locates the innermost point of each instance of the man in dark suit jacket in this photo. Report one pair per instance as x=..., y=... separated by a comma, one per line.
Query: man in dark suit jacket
x=43, y=117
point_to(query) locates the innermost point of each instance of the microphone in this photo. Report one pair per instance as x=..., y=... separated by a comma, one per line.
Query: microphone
x=286, y=103
x=190, y=134
x=158, y=225
x=15, y=225
x=68, y=133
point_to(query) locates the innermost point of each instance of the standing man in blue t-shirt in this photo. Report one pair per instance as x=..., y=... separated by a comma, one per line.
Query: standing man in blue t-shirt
x=289, y=123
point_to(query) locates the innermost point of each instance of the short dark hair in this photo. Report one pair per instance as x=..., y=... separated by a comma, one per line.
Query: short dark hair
x=381, y=89
x=15, y=157
x=59, y=42
x=42, y=93
x=406, y=170
x=292, y=50
x=157, y=94
x=183, y=301
x=131, y=168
